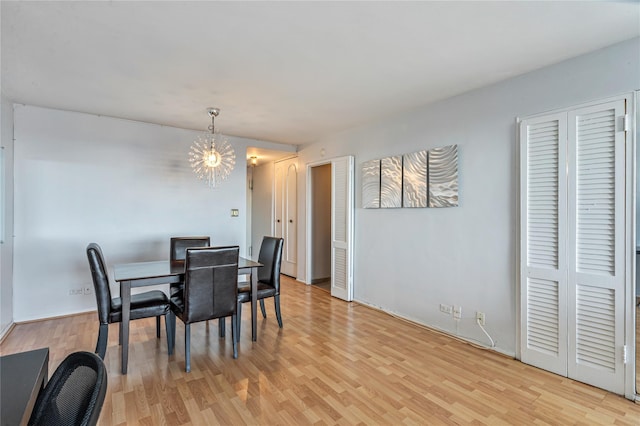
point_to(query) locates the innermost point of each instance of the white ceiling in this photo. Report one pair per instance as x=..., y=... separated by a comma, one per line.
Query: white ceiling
x=286, y=72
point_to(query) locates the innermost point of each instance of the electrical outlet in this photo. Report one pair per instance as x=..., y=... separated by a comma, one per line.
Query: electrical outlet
x=480, y=318
x=75, y=291
x=457, y=312
x=445, y=309
x=86, y=290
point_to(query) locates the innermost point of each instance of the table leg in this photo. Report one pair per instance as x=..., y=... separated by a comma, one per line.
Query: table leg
x=254, y=303
x=125, y=295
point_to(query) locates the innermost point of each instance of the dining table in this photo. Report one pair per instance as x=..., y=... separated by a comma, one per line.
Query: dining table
x=141, y=274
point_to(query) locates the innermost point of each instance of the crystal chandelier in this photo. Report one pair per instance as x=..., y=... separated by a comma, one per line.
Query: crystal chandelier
x=211, y=156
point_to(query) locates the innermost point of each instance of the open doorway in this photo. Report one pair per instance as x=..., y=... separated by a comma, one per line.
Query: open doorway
x=321, y=226
x=341, y=230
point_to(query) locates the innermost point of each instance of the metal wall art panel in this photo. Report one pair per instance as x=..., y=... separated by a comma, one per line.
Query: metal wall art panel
x=443, y=176
x=414, y=179
x=391, y=182
x=371, y=184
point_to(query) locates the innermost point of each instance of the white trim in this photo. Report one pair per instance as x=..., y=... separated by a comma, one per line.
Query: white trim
x=633, y=112
x=591, y=103
x=437, y=329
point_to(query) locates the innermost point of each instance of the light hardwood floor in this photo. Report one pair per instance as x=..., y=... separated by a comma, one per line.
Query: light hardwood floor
x=332, y=363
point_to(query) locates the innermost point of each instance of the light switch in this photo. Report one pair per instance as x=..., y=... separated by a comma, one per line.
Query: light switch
x=235, y=213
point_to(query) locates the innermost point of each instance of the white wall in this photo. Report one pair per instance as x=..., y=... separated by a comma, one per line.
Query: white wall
x=262, y=205
x=408, y=261
x=126, y=185
x=6, y=189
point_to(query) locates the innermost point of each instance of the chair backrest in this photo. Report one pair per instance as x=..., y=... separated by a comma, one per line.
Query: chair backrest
x=179, y=245
x=75, y=393
x=210, y=283
x=100, y=281
x=271, y=257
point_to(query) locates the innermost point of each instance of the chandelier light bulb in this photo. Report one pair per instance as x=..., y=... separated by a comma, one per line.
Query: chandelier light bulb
x=213, y=159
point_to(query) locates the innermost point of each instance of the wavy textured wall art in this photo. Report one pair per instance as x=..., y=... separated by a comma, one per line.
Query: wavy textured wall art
x=391, y=182
x=443, y=176
x=414, y=179
x=371, y=184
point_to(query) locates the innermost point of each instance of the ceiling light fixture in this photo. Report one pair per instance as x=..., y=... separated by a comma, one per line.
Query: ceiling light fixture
x=211, y=156
x=254, y=161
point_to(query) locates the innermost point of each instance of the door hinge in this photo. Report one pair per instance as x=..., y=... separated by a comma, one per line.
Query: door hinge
x=625, y=354
x=625, y=123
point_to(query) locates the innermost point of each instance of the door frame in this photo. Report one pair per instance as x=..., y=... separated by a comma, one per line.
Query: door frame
x=308, y=218
x=308, y=279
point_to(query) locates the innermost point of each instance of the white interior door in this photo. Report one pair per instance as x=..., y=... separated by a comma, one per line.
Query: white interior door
x=278, y=196
x=286, y=212
x=573, y=243
x=543, y=270
x=342, y=203
x=597, y=245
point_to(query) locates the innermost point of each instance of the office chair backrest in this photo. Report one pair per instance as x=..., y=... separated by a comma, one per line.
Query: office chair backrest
x=100, y=281
x=210, y=282
x=179, y=245
x=271, y=257
x=75, y=393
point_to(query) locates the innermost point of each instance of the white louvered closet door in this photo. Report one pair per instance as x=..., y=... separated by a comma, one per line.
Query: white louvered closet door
x=342, y=228
x=573, y=235
x=543, y=210
x=596, y=245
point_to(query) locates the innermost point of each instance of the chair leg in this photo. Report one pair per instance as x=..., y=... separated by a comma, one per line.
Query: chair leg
x=187, y=347
x=101, y=345
x=221, y=327
x=158, y=327
x=238, y=320
x=264, y=311
x=170, y=334
x=276, y=301
x=234, y=320
x=120, y=333
x=172, y=321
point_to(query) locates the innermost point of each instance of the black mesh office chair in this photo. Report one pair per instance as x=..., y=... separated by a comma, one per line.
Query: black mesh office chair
x=268, y=279
x=210, y=291
x=143, y=305
x=75, y=393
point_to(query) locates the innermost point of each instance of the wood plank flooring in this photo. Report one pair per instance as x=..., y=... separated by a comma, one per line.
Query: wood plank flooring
x=332, y=363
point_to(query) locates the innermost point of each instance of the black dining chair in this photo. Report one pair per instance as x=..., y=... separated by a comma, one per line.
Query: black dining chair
x=177, y=250
x=75, y=393
x=210, y=291
x=268, y=279
x=143, y=305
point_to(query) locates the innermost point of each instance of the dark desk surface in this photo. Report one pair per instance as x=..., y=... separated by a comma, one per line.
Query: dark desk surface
x=22, y=376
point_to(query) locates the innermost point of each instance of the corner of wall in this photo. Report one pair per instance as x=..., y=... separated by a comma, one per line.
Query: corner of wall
x=6, y=215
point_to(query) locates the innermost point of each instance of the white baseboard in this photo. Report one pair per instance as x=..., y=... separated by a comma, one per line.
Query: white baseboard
x=438, y=330
x=5, y=332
